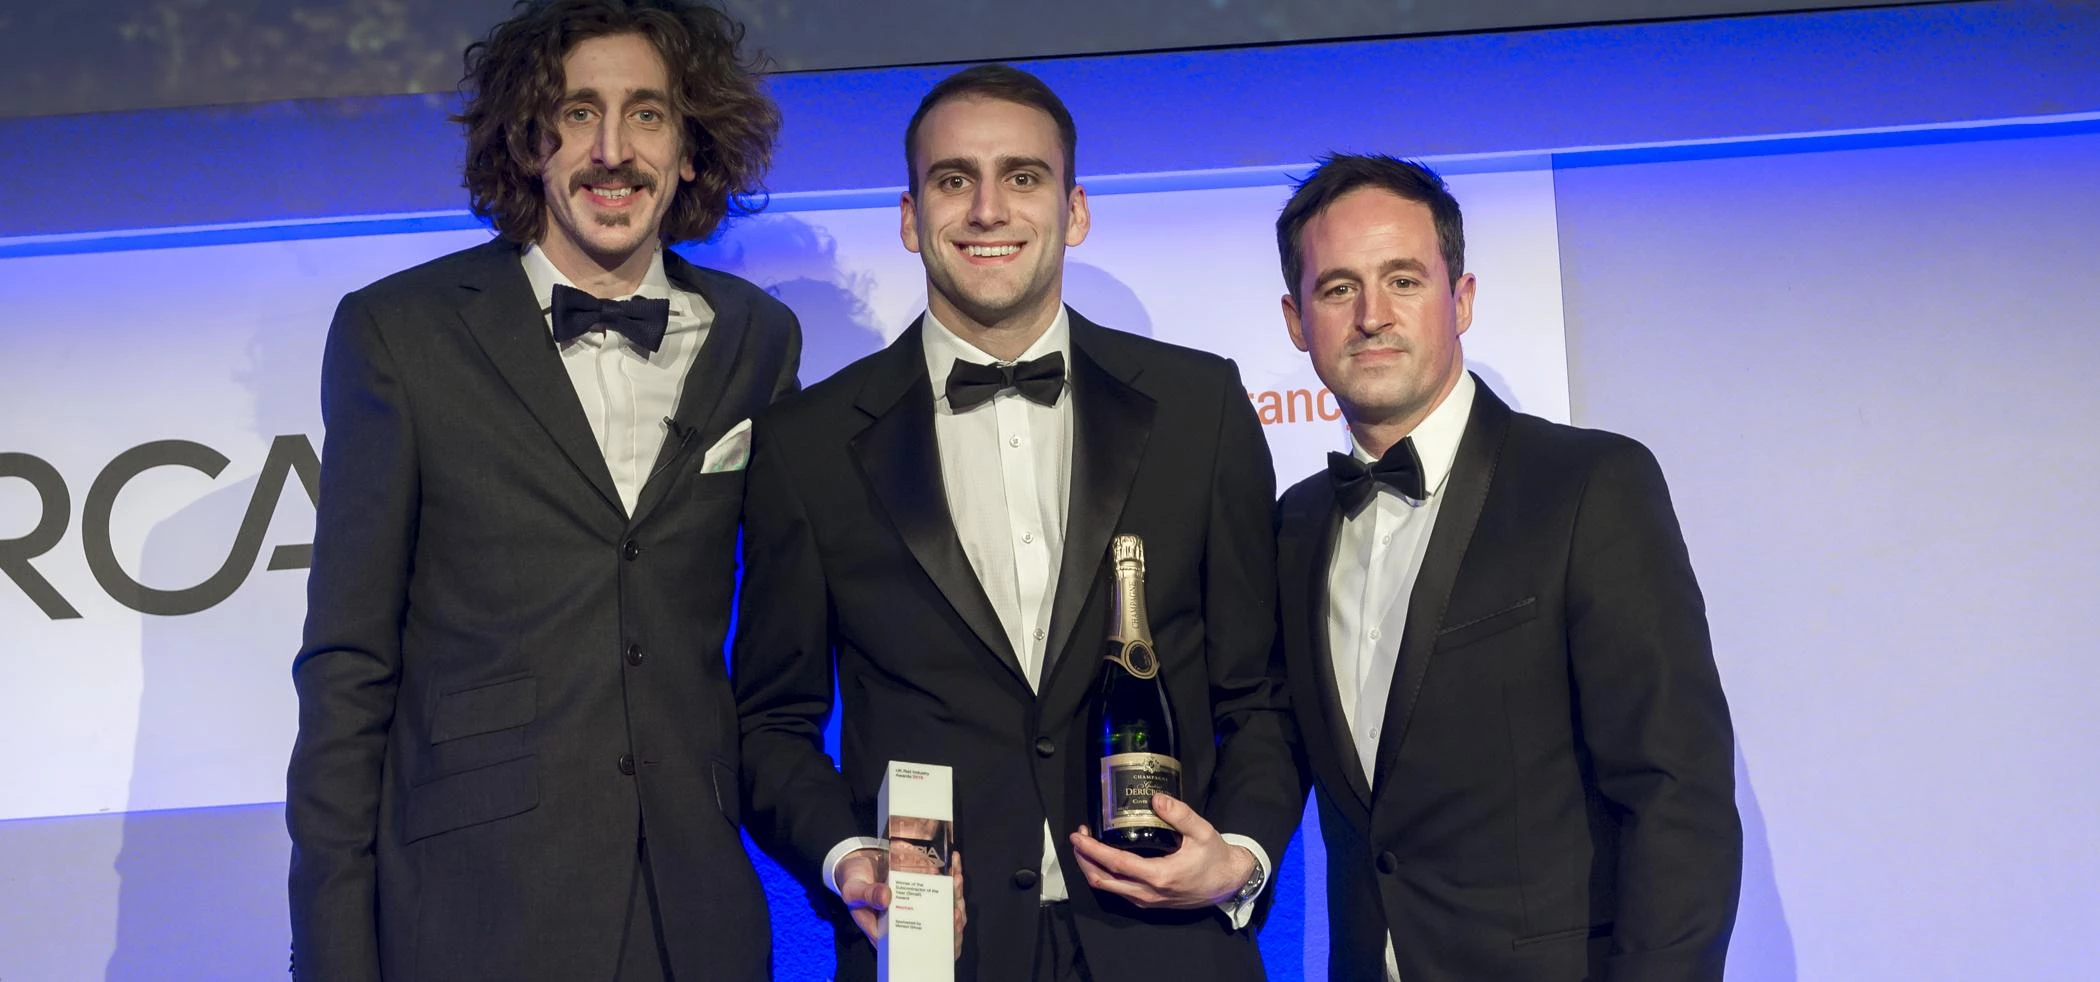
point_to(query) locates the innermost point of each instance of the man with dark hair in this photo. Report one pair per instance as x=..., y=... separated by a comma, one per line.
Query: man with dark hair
x=929, y=528
x=1498, y=652
x=517, y=756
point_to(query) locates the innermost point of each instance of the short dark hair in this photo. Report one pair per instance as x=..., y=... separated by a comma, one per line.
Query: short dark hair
x=514, y=83
x=1006, y=84
x=1340, y=173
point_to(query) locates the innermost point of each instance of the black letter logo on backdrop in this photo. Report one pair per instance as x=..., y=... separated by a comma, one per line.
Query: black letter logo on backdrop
x=288, y=455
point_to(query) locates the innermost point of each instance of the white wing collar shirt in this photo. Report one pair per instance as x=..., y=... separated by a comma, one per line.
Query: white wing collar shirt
x=627, y=392
x=1377, y=557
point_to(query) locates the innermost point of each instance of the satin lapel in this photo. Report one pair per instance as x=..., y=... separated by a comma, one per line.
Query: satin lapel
x=1111, y=423
x=1311, y=529
x=700, y=396
x=512, y=331
x=902, y=465
x=1472, y=473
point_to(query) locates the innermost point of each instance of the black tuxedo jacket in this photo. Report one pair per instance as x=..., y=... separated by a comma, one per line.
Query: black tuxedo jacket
x=505, y=677
x=1554, y=794
x=852, y=560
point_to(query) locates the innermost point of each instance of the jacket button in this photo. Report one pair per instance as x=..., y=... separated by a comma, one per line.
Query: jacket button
x=631, y=549
x=1388, y=863
x=1044, y=746
x=627, y=764
x=634, y=654
x=1024, y=879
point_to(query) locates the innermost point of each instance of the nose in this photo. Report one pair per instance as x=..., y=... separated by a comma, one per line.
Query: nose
x=611, y=147
x=1377, y=313
x=988, y=205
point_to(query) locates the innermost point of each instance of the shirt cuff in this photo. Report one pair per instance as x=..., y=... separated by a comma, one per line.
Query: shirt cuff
x=858, y=842
x=1240, y=912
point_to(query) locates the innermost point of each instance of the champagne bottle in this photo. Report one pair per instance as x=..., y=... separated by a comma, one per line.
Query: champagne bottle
x=1133, y=719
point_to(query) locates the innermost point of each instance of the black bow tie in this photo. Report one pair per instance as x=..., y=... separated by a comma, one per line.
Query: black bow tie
x=1355, y=482
x=577, y=313
x=1039, y=381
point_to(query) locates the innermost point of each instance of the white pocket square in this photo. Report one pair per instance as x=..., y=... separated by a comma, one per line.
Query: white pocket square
x=731, y=452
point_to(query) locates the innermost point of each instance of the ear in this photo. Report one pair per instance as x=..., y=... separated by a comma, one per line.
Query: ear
x=1463, y=302
x=1077, y=219
x=686, y=170
x=1291, y=322
x=908, y=222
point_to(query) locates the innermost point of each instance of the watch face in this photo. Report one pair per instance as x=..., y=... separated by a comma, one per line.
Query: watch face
x=1253, y=884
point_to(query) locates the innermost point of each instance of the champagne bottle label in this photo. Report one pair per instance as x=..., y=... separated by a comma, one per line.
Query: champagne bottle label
x=1128, y=782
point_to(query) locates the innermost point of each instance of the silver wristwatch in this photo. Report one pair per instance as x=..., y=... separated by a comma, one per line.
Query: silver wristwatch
x=1252, y=888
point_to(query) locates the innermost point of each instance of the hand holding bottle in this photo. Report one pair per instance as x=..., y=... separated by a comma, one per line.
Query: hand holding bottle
x=1205, y=871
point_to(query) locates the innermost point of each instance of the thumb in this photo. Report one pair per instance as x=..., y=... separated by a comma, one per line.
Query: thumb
x=861, y=892
x=1178, y=814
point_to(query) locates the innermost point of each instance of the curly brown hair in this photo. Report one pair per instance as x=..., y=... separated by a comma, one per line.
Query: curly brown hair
x=514, y=83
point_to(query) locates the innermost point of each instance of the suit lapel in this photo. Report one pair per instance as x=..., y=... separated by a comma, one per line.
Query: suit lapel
x=1472, y=473
x=1111, y=423
x=902, y=465
x=1310, y=529
x=512, y=331
x=700, y=395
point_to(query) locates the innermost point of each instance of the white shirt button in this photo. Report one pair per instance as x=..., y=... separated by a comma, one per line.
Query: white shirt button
x=1374, y=634
x=1386, y=539
x=1028, y=537
x=1013, y=441
x=1039, y=634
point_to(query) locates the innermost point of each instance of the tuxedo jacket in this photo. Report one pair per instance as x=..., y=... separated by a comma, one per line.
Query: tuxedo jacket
x=505, y=677
x=853, y=565
x=1554, y=784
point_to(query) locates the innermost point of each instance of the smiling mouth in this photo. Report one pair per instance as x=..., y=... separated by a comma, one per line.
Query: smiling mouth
x=611, y=195
x=989, y=251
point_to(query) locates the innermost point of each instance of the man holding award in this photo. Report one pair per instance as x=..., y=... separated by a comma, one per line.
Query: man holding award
x=933, y=524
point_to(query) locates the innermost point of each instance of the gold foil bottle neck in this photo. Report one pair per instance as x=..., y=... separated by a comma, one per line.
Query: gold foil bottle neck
x=1128, y=550
x=1130, y=635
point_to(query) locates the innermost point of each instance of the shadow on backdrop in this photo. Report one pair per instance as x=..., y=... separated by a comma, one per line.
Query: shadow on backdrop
x=1105, y=300
x=798, y=263
x=202, y=890
x=1762, y=948
x=1495, y=383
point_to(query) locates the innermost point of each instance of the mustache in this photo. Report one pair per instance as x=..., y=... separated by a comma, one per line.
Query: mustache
x=625, y=174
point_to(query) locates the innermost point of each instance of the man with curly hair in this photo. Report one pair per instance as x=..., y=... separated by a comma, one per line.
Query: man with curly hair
x=517, y=752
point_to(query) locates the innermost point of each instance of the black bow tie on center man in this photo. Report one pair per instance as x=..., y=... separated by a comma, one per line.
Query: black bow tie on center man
x=642, y=320
x=1354, y=482
x=1039, y=381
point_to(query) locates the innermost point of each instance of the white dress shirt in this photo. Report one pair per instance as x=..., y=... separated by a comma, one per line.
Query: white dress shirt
x=1011, y=520
x=1377, y=557
x=626, y=392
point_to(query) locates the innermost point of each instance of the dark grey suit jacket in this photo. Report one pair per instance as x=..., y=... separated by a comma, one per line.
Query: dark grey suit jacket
x=1554, y=796
x=853, y=561
x=506, y=678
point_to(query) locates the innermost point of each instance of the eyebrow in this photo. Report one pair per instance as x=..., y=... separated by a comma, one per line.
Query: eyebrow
x=1388, y=267
x=638, y=95
x=968, y=166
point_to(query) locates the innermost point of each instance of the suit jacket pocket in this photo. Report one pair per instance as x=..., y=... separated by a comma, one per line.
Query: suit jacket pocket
x=721, y=484
x=728, y=793
x=484, y=709
x=1572, y=934
x=1474, y=629
x=484, y=794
